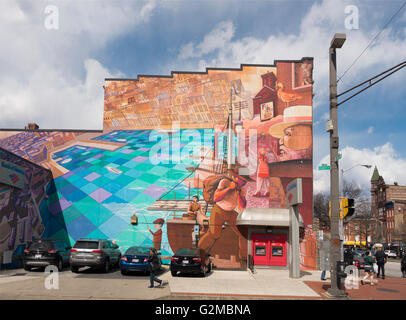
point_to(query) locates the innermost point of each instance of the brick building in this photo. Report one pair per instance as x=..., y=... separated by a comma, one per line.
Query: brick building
x=388, y=205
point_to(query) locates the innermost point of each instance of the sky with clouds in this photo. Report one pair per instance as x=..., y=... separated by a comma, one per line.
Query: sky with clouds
x=54, y=77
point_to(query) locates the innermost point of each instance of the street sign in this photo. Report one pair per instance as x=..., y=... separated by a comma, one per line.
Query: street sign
x=294, y=192
x=324, y=167
x=339, y=156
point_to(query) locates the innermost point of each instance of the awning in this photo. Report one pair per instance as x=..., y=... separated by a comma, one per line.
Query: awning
x=277, y=217
x=351, y=243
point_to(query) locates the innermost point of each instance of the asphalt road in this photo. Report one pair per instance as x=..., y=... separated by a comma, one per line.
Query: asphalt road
x=392, y=269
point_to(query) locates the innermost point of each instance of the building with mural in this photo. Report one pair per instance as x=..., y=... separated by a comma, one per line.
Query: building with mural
x=234, y=138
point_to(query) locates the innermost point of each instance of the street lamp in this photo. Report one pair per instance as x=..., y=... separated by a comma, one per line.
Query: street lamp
x=344, y=171
x=335, y=243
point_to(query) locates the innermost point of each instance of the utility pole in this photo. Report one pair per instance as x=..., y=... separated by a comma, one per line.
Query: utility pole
x=335, y=250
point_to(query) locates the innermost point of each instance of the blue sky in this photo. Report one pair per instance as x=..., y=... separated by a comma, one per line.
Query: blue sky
x=55, y=77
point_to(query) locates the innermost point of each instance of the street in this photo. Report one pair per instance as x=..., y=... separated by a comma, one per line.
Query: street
x=219, y=284
x=392, y=269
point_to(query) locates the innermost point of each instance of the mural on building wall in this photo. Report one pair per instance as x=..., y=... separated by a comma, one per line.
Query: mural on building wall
x=102, y=179
x=21, y=204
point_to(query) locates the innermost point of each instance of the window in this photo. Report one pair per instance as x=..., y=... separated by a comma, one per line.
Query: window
x=260, y=250
x=277, y=251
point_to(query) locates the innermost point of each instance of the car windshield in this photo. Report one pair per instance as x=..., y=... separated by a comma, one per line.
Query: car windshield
x=138, y=250
x=41, y=245
x=86, y=245
x=187, y=252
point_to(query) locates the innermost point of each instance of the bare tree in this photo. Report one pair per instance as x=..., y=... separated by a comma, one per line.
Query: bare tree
x=321, y=209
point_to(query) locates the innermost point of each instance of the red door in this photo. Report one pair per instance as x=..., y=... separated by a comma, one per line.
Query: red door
x=269, y=250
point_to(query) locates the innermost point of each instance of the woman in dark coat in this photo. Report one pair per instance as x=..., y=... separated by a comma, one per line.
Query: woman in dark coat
x=403, y=266
x=153, y=267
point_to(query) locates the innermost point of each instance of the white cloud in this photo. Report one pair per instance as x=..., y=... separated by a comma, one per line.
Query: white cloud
x=316, y=31
x=390, y=166
x=51, y=76
x=370, y=130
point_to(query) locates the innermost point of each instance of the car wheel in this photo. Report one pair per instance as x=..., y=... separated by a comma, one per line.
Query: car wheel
x=124, y=272
x=27, y=268
x=59, y=264
x=174, y=273
x=210, y=267
x=106, y=266
x=74, y=269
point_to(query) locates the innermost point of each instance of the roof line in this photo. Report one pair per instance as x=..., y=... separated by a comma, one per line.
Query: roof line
x=207, y=70
x=26, y=160
x=50, y=130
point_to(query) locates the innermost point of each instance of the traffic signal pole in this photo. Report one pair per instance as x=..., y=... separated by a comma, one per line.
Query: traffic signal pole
x=335, y=250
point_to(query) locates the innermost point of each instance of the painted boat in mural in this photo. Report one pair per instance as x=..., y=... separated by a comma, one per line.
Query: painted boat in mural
x=180, y=225
x=66, y=160
x=114, y=170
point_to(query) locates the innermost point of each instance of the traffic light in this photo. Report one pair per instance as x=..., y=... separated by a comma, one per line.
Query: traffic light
x=344, y=210
x=348, y=207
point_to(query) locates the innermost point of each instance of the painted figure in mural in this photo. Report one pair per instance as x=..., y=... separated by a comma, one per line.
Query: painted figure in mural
x=262, y=175
x=307, y=73
x=157, y=235
x=228, y=196
x=194, y=207
x=294, y=133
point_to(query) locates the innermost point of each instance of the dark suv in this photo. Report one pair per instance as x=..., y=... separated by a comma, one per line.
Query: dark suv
x=44, y=252
x=97, y=253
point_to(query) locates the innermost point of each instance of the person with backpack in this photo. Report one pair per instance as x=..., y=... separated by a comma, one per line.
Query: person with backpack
x=403, y=266
x=381, y=259
x=153, y=267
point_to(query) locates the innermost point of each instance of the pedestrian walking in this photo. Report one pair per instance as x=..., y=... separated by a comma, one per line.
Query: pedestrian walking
x=403, y=266
x=369, y=269
x=324, y=258
x=381, y=259
x=153, y=267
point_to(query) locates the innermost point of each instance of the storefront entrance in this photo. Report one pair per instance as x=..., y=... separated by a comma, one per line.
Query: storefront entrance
x=269, y=250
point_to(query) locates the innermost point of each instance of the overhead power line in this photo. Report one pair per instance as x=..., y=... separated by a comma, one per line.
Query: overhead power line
x=377, y=79
x=373, y=40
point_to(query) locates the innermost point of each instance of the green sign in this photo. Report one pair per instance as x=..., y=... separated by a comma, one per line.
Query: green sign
x=339, y=156
x=324, y=167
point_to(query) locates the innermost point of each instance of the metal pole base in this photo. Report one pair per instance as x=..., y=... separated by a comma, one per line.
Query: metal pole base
x=337, y=293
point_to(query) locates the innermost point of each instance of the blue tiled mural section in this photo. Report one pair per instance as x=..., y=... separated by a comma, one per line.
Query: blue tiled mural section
x=103, y=189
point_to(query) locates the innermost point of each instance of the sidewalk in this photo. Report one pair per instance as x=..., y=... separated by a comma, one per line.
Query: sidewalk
x=264, y=283
x=388, y=289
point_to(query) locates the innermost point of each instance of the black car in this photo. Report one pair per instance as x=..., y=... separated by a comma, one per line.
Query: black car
x=45, y=252
x=187, y=260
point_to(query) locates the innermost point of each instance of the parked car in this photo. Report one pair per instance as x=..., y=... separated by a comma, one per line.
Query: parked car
x=95, y=253
x=358, y=260
x=45, y=252
x=391, y=254
x=187, y=260
x=136, y=259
